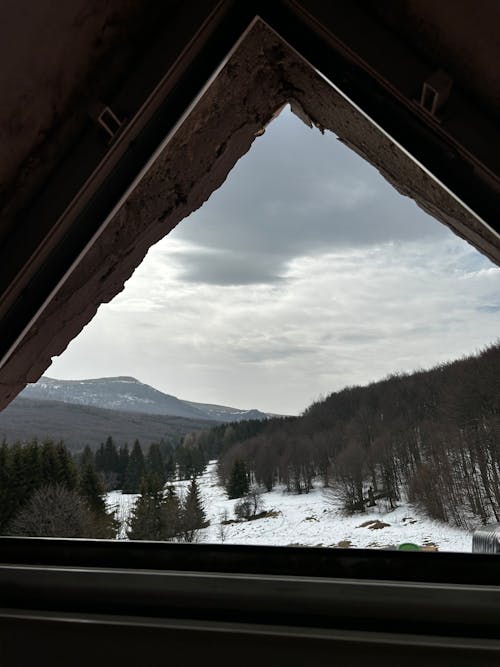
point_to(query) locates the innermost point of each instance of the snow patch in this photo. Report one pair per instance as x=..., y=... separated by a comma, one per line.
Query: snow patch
x=313, y=519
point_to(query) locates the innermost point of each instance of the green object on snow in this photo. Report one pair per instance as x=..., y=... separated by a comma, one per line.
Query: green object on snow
x=408, y=546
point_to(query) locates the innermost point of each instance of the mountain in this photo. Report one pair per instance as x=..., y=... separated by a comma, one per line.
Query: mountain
x=224, y=414
x=126, y=394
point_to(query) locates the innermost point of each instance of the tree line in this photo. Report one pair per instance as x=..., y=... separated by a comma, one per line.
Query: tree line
x=158, y=514
x=164, y=516
x=431, y=437
x=124, y=468
x=43, y=492
x=47, y=492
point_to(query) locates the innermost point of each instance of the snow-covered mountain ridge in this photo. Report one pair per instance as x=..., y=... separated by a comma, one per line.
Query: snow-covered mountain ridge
x=128, y=394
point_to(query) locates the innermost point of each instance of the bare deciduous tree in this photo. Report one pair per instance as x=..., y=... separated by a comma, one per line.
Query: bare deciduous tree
x=250, y=505
x=55, y=511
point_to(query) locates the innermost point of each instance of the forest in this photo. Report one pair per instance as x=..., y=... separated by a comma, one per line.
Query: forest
x=46, y=491
x=431, y=437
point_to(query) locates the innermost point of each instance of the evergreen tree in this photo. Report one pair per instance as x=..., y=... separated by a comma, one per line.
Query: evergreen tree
x=171, y=515
x=170, y=467
x=26, y=469
x=32, y=467
x=123, y=461
x=198, y=462
x=154, y=463
x=110, y=457
x=107, y=461
x=190, y=457
x=183, y=462
x=167, y=451
x=67, y=474
x=91, y=488
x=146, y=519
x=193, y=515
x=99, y=458
x=87, y=458
x=135, y=470
x=238, y=485
x=49, y=462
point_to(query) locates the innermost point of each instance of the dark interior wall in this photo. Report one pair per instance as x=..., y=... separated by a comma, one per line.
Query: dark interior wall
x=462, y=36
x=60, y=60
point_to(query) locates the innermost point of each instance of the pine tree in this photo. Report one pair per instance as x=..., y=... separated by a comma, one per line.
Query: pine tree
x=154, y=463
x=110, y=456
x=91, y=488
x=238, y=485
x=107, y=460
x=87, y=458
x=67, y=472
x=146, y=520
x=123, y=461
x=135, y=470
x=170, y=467
x=193, y=515
x=183, y=462
x=32, y=467
x=168, y=455
x=198, y=462
x=171, y=515
x=25, y=469
x=100, y=458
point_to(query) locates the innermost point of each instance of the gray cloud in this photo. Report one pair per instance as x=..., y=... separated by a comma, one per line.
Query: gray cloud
x=489, y=309
x=297, y=192
x=223, y=267
x=275, y=350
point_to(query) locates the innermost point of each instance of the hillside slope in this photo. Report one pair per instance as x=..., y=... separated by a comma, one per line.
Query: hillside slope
x=431, y=437
x=80, y=425
x=313, y=519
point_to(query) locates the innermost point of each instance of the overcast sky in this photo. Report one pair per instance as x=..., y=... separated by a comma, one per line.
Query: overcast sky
x=304, y=273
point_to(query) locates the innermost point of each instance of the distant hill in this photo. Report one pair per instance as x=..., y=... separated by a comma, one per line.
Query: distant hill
x=80, y=425
x=130, y=395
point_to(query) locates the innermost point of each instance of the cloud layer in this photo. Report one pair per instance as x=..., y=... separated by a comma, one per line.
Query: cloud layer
x=297, y=192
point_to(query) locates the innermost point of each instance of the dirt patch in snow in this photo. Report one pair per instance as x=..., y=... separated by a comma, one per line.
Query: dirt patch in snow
x=344, y=544
x=374, y=524
x=261, y=515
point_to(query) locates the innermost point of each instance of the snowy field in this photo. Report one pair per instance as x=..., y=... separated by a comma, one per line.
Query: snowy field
x=313, y=519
